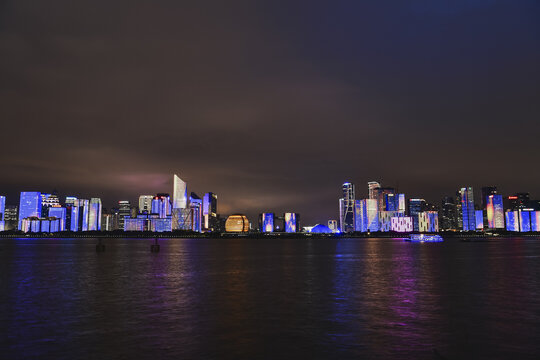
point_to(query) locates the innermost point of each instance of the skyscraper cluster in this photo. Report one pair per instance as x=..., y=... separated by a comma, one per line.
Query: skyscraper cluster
x=388, y=210
x=42, y=212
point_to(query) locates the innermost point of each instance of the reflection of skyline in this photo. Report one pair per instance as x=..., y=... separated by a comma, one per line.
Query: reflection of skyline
x=201, y=298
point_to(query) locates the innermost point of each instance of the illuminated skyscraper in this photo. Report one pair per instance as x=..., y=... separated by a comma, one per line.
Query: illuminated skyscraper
x=179, y=193
x=291, y=222
x=266, y=222
x=373, y=186
x=94, y=214
x=29, y=205
x=416, y=206
x=2, y=207
x=145, y=204
x=468, y=214
x=48, y=201
x=196, y=206
x=486, y=192
x=448, y=214
x=333, y=225
x=366, y=215
x=161, y=205
x=124, y=210
x=59, y=213
x=210, y=212
x=346, y=208
x=495, y=212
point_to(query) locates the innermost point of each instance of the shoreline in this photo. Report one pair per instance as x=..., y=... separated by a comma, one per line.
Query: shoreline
x=260, y=235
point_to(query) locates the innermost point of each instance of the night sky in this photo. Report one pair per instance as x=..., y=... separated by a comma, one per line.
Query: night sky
x=269, y=104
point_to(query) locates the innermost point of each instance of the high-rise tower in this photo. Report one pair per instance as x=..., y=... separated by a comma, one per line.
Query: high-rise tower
x=346, y=208
x=179, y=193
x=467, y=209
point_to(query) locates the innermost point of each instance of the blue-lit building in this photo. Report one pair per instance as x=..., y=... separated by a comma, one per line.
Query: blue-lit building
x=346, y=208
x=366, y=215
x=29, y=206
x=416, y=206
x=59, y=213
x=468, y=215
x=210, y=220
x=2, y=212
x=266, y=222
x=94, y=214
x=495, y=211
x=196, y=206
x=479, y=216
x=512, y=221
x=291, y=222
x=2, y=207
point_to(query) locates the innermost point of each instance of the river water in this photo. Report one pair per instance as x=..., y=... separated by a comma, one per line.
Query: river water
x=270, y=299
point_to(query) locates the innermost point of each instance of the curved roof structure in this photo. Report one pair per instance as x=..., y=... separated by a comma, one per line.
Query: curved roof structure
x=321, y=229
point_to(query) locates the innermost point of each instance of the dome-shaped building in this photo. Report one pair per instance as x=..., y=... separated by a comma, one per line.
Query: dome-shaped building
x=321, y=229
x=237, y=223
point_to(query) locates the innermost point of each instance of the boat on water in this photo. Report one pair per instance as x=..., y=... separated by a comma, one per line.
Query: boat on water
x=424, y=238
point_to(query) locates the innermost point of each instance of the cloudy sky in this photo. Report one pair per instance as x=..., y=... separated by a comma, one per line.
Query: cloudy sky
x=269, y=104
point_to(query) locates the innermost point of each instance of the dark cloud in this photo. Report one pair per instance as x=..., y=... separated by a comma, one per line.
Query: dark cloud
x=271, y=105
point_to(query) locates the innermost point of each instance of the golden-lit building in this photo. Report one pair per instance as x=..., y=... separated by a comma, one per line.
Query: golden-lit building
x=237, y=223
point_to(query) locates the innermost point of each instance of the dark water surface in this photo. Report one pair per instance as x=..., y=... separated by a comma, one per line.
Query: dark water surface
x=270, y=299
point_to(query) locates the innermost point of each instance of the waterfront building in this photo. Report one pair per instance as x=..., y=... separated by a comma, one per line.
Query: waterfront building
x=124, y=210
x=29, y=206
x=237, y=224
x=266, y=222
x=495, y=211
x=366, y=215
x=163, y=224
x=107, y=222
x=2, y=207
x=291, y=222
x=373, y=186
x=333, y=224
x=512, y=220
x=210, y=212
x=48, y=201
x=182, y=219
x=385, y=219
x=487, y=191
x=196, y=206
x=145, y=204
x=416, y=206
x=428, y=221
x=448, y=214
x=135, y=224
x=402, y=224
x=320, y=229
x=60, y=214
x=468, y=214
x=94, y=214
x=346, y=208
x=383, y=194
x=179, y=193
x=479, y=216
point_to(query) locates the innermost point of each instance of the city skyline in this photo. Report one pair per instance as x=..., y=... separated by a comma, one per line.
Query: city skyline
x=363, y=192
x=246, y=102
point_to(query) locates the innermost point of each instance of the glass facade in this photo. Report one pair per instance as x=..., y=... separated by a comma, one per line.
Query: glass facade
x=467, y=209
x=267, y=222
x=180, y=196
x=495, y=212
x=94, y=214
x=291, y=222
x=29, y=206
x=60, y=214
x=346, y=208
